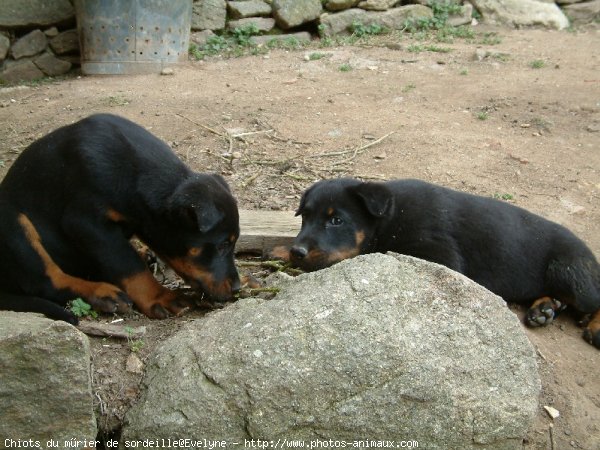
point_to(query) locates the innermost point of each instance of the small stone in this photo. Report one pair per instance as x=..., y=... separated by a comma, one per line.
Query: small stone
x=134, y=364
x=593, y=128
x=552, y=412
x=167, y=71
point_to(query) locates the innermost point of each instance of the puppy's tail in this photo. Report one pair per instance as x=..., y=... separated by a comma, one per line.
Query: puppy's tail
x=24, y=303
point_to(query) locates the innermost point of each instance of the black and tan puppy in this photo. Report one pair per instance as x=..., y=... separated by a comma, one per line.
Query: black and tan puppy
x=73, y=199
x=518, y=255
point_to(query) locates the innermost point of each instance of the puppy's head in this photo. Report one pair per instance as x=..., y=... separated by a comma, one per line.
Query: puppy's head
x=339, y=221
x=203, y=227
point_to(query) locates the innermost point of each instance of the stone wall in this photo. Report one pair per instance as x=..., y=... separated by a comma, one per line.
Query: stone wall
x=38, y=38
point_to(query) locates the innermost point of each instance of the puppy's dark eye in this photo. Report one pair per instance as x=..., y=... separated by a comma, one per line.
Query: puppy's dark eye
x=335, y=221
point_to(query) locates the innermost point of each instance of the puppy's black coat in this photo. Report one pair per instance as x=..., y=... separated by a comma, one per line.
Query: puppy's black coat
x=512, y=252
x=72, y=200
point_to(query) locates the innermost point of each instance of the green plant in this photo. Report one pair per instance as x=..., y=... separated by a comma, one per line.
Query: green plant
x=82, y=309
x=464, y=72
x=408, y=88
x=442, y=10
x=537, y=64
x=359, y=29
x=316, y=56
x=135, y=345
x=506, y=197
x=345, y=68
x=243, y=34
x=490, y=38
x=483, y=115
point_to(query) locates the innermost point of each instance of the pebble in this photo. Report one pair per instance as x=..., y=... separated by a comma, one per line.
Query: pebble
x=167, y=71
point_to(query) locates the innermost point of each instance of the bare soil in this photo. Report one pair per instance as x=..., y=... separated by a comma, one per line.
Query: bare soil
x=274, y=123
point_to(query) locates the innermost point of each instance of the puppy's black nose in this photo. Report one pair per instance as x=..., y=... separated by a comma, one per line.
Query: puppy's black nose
x=298, y=252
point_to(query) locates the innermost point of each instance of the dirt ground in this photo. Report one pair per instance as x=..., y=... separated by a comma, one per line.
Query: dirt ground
x=514, y=114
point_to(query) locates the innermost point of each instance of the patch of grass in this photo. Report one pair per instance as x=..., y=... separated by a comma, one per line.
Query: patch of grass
x=464, y=72
x=506, y=197
x=135, y=345
x=316, y=56
x=359, y=29
x=242, y=35
x=82, y=309
x=409, y=87
x=537, y=64
x=416, y=48
x=345, y=68
x=490, y=38
x=483, y=115
x=117, y=100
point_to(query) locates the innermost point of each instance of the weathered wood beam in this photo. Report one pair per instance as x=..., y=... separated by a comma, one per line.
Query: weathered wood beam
x=261, y=231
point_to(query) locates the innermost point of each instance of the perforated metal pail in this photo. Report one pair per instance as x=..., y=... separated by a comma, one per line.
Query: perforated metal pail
x=132, y=36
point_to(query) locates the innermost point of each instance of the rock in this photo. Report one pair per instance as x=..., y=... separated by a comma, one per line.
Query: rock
x=393, y=19
x=378, y=346
x=4, y=46
x=65, y=43
x=35, y=13
x=45, y=380
x=463, y=18
x=340, y=5
x=262, y=24
x=51, y=65
x=24, y=70
x=248, y=8
x=378, y=5
x=568, y=2
x=291, y=13
x=200, y=38
x=51, y=32
x=585, y=12
x=209, y=15
x=301, y=36
x=522, y=13
x=341, y=23
x=29, y=45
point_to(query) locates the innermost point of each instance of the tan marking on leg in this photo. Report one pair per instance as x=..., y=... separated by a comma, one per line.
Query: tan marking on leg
x=145, y=291
x=60, y=280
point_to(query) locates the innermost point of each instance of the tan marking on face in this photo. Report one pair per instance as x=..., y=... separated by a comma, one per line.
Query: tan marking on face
x=60, y=280
x=280, y=252
x=194, y=274
x=330, y=211
x=232, y=238
x=194, y=252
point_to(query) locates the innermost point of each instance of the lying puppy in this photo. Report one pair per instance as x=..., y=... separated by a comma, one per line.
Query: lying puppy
x=514, y=253
x=72, y=200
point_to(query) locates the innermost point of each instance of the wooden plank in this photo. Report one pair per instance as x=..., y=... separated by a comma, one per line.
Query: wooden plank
x=261, y=231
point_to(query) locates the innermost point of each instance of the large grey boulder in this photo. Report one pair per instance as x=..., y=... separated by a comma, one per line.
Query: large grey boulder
x=291, y=13
x=32, y=13
x=522, y=13
x=45, y=381
x=393, y=19
x=377, y=347
x=209, y=15
x=585, y=12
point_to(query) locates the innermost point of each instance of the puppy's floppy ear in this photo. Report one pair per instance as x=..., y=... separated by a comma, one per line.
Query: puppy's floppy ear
x=303, y=201
x=202, y=217
x=376, y=197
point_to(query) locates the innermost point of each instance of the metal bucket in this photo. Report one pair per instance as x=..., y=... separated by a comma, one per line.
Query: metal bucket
x=132, y=36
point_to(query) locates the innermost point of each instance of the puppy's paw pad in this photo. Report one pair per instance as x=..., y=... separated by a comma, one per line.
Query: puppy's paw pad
x=543, y=312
